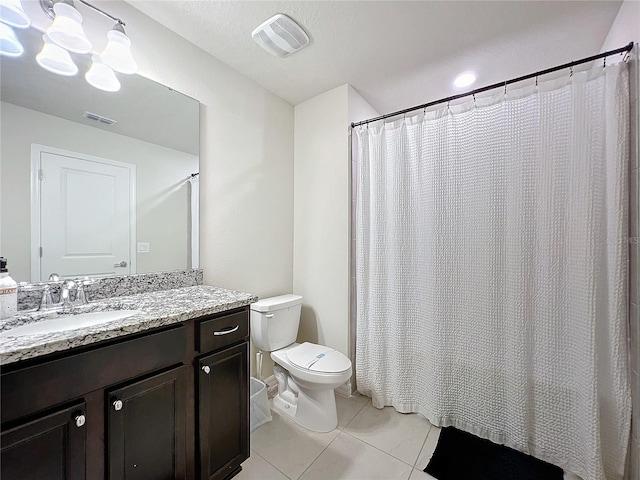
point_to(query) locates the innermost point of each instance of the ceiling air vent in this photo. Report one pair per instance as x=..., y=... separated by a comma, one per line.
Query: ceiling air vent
x=280, y=36
x=99, y=118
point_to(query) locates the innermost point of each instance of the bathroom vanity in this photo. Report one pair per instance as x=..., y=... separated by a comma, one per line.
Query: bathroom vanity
x=160, y=394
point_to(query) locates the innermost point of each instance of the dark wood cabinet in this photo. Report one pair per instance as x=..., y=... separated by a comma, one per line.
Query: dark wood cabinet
x=223, y=407
x=50, y=447
x=148, y=409
x=146, y=428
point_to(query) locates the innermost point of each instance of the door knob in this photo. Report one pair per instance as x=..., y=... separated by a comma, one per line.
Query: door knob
x=117, y=405
x=206, y=369
x=122, y=264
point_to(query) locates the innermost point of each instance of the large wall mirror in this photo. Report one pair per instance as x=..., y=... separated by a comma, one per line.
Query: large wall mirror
x=92, y=182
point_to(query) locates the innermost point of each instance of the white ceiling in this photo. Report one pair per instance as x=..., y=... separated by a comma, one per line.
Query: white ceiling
x=394, y=53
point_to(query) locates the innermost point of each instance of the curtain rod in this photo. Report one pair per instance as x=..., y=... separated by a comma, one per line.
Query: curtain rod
x=626, y=48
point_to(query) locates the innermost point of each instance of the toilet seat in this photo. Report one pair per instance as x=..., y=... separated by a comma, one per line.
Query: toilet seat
x=319, y=377
x=318, y=358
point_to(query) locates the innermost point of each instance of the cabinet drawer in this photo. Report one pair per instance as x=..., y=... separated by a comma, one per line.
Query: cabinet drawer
x=222, y=331
x=34, y=388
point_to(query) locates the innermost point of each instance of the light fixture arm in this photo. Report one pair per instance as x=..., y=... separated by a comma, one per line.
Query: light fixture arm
x=47, y=7
x=116, y=19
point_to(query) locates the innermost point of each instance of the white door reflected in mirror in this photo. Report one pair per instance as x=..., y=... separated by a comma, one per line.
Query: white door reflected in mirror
x=86, y=219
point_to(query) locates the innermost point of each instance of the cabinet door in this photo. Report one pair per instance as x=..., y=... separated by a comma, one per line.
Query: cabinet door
x=146, y=428
x=223, y=412
x=52, y=447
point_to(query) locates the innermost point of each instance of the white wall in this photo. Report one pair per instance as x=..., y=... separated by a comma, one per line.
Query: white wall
x=322, y=214
x=161, y=194
x=246, y=154
x=321, y=218
x=625, y=29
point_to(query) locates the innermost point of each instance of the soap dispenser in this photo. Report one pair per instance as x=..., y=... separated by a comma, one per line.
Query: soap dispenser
x=8, y=292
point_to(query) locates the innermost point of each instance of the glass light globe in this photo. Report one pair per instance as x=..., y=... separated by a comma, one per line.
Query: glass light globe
x=12, y=13
x=117, y=53
x=55, y=59
x=66, y=29
x=9, y=43
x=101, y=76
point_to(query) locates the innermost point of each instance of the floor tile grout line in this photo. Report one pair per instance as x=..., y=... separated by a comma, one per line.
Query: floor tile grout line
x=308, y=466
x=341, y=430
x=380, y=450
x=356, y=414
x=314, y=460
x=423, y=444
x=419, y=452
x=286, y=476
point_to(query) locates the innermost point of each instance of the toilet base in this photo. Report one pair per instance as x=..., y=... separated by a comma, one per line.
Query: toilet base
x=316, y=409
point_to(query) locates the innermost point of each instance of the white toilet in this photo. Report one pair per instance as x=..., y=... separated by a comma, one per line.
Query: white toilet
x=307, y=373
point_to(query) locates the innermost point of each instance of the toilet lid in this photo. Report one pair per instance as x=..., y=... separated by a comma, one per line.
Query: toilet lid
x=318, y=358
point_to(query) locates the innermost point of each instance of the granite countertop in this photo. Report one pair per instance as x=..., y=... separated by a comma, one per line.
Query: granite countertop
x=159, y=308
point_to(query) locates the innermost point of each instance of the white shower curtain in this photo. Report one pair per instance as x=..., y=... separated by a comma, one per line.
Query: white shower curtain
x=491, y=268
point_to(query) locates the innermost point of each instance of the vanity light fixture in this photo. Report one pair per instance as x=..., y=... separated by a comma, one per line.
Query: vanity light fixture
x=12, y=13
x=101, y=76
x=67, y=32
x=465, y=79
x=9, y=43
x=55, y=59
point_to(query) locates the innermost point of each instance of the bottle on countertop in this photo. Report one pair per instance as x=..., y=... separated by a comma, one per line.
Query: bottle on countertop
x=8, y=292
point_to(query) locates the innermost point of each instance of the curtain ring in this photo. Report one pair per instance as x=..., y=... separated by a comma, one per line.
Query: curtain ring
x=536, y=81
x=505, y=88
x=570, y=71
x=604, y=62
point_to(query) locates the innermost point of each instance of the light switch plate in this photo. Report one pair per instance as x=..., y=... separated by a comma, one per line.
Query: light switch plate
x=143, y=247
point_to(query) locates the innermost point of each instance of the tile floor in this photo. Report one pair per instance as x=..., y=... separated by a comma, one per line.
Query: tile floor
x=368, y=444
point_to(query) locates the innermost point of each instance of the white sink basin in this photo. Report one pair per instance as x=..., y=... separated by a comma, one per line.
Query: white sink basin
x=68, y=322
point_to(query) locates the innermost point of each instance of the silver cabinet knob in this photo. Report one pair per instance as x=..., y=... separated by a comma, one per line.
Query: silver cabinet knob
x=122, y=264
x=117, y=405
x=206, y=369
x=80, y=420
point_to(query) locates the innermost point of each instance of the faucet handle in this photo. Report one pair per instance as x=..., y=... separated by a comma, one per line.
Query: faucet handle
x=81, y=296
x=46, y=302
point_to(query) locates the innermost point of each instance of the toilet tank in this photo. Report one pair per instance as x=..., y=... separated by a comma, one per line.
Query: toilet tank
x=275, y=321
